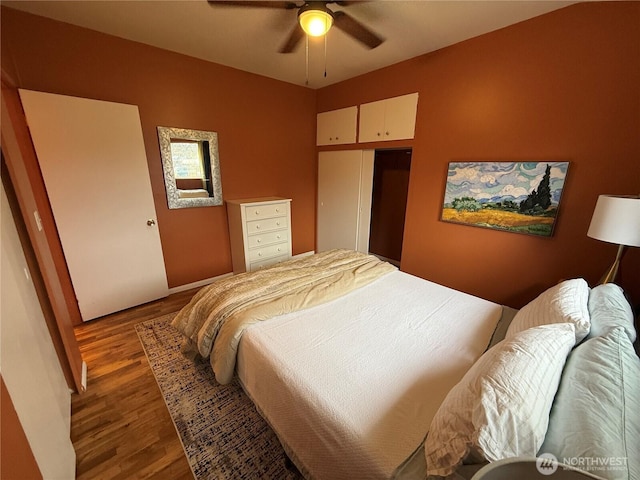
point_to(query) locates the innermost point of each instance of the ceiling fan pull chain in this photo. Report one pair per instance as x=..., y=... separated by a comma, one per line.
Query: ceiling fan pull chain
x=325, y=54
x=306, y=64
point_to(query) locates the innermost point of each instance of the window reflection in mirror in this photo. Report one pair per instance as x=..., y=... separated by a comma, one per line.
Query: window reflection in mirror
x=191, y=167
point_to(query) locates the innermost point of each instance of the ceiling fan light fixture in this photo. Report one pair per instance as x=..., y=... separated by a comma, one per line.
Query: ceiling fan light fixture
x=315, y=21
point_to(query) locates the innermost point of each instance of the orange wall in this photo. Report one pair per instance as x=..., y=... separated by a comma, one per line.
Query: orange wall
x=16, y=457
x=564, y=86
x=266, y=128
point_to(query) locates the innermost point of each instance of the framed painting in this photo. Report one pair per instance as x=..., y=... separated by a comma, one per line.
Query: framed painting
x=521, y=197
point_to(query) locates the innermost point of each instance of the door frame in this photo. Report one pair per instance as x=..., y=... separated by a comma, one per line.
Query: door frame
x=42, y=247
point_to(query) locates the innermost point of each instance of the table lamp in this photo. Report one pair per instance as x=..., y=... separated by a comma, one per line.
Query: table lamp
x=616, y=219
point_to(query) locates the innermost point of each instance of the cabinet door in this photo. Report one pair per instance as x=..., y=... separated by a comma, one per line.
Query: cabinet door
x=366, y=197
x=338, y=199
x=400, y=117
x=390, y=119
x=345, y=182
x=93, y=162
x=372, y=122
x=337, y=126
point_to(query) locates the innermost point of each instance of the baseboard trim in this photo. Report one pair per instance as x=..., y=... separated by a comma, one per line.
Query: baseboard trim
x=199, y=283
x=83, y=378
x=207, y=281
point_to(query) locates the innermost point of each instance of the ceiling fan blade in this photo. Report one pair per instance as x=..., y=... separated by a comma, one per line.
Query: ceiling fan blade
x=352, y=27
x=294, y=39
x=264, y=4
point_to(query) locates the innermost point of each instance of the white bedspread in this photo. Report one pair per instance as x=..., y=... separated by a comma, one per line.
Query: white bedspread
x=351, y=386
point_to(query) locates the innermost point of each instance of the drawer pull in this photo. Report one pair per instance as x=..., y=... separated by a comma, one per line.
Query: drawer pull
x=278, y=223
x=278, y=237
x=257, y=227
x=258, y=240
x=257, y=212
x=259, y=254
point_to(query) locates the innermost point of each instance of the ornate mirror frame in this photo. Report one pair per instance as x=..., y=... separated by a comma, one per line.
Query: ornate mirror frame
x=174, y=198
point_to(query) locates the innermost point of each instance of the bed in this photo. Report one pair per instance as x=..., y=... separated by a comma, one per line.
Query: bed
x=375, y=375
x=353, y=384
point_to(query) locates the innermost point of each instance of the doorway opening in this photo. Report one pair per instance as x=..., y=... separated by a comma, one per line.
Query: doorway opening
x=389, y=203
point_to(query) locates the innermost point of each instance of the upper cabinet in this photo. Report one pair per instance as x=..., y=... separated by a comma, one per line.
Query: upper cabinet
x=337, y=126
x=389, y=119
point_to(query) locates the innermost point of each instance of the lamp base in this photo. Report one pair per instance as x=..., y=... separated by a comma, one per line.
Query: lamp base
x=612, y=272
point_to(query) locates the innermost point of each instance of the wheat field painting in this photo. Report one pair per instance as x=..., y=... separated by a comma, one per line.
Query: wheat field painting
x=521, y=197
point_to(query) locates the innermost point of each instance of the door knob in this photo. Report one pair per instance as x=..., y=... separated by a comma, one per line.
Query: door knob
x=151, y=222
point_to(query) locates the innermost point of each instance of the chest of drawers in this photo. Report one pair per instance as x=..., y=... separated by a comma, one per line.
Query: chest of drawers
x=260, y=232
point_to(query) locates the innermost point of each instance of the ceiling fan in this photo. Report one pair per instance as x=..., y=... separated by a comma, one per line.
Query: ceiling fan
x=315, y=19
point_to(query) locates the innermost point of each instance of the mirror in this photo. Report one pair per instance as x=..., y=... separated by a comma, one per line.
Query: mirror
x=191, y=167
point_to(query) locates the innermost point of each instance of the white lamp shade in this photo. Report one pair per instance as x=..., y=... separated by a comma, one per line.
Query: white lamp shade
x=616, y=219
x=315, y=22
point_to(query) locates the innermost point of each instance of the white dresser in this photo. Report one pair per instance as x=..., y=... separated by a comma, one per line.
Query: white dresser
x=260, y=232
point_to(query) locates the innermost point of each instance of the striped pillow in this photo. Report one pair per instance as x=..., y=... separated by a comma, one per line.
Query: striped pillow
x=609, y=308
x=566, y=302
x=501, y=406
x=596, y=413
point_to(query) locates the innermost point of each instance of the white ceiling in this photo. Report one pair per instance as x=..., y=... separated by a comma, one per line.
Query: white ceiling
x=249, y=38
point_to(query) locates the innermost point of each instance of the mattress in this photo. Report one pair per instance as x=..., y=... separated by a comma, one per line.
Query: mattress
x=350, y=386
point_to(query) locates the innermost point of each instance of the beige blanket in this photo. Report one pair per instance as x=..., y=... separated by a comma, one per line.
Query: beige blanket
x=217, y=315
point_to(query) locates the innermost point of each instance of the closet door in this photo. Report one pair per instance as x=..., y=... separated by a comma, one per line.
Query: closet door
x=92, y=157
x=344, y=199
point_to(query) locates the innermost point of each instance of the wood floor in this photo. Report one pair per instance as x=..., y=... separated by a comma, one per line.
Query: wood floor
x=120, y=426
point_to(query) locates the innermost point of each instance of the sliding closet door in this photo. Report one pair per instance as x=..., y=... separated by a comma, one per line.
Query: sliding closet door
x=92, y=157
x=344, y=199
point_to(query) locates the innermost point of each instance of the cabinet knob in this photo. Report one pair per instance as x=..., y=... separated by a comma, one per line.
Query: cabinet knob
x=277, y=210
x=278, y=223
x=151, y=222
x=279, y=249
x=257, y=212
x=259, y=254
x=386, y=133
x=378, y=133
x=257, y=227
x=259, y=240
x=278, y=237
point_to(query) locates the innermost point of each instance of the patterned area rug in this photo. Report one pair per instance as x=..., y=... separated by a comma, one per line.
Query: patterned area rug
x=223, y=435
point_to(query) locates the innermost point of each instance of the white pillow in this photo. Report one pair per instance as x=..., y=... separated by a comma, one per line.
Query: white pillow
x=501, y=406
x=596, y=412
x=609, y=308
x=566, y=302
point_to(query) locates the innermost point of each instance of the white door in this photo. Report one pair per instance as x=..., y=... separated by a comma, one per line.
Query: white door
x=344, y=199
x=92, y=157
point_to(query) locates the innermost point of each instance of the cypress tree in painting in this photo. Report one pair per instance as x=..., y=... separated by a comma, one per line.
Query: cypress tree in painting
x=544, y=191
x=540, y=197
